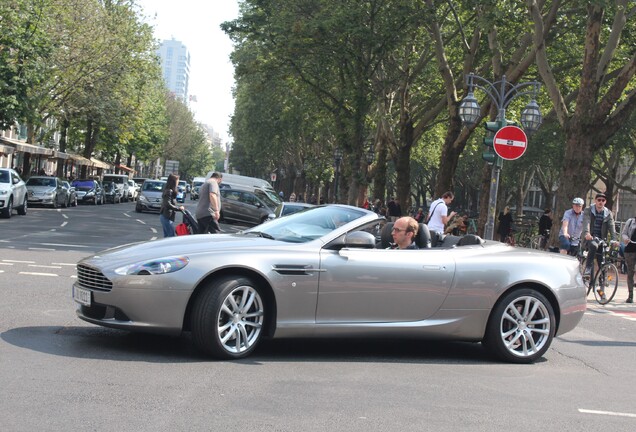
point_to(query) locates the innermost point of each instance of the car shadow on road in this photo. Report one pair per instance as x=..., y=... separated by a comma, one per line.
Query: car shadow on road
x=103, y=343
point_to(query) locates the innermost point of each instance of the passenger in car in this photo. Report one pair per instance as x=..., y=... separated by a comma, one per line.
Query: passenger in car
x=404, y=233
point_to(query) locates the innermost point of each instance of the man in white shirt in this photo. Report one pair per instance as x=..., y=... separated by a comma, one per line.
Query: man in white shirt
x=438, y=215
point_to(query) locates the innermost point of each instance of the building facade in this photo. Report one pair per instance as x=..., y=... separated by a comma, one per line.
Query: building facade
x=175, y=67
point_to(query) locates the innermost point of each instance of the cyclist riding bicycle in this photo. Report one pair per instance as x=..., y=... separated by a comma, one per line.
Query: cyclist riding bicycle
x=598, y=222
x=571, y=226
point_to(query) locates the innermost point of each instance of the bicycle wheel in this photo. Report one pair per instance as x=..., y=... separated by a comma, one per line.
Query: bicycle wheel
x=605, y=283
x=535, y=242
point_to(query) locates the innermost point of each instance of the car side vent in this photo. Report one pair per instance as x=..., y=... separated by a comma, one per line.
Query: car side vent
x=93, y=279
x=293, y=269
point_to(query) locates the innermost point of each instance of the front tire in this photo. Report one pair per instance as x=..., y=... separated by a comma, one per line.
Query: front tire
x=521, y=326
x=9, y=210
x=227, y=318
x=605, y=284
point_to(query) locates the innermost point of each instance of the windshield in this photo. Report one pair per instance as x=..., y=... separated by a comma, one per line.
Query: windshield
x=154, y=186
x=308, y=225
x=271, y=196
x=116, y=179
x=83, y=185
x=40, y=181
x=4, y=176
x=267, y=198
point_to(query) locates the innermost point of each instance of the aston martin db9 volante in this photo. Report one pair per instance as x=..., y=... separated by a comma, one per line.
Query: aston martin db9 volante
x=327, y=272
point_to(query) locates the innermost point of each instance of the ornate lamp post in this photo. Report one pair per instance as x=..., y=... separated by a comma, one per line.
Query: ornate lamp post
x=501, y=93
x=337, y=158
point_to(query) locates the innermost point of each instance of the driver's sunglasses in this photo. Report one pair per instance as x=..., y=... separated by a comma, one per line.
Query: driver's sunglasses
x=397, y=230
x=600, y=199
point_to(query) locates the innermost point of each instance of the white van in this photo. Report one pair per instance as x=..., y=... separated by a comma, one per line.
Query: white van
x=121, y=181
x=197, y=182
x=235, y=181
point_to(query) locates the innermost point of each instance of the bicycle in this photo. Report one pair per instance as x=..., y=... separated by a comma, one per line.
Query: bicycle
x=539, y=241
x=605, y=281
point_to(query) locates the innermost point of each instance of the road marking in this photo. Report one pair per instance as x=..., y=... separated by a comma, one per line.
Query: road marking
x=41, y=249
x=63, y=224
x=62, y=244
x=19, y=262
x=65, y=264
x=141, y=222
x=6, y=264
x=153, y=230
x=38, y=274
x=65, y=217
x=44, y=266
x=153, y=238
x=127, y=215
x=4, y=241
x=608, y=413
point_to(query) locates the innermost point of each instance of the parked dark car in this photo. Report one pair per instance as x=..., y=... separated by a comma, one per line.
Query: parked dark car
x=72, y=194
x=251, y=208
x=45, y=190
x=89, y=191
x=112, y=194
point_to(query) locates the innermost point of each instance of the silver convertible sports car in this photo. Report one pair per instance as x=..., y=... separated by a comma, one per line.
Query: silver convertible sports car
x=327, y=272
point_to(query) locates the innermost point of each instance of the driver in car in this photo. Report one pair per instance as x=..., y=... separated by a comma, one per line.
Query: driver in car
x=404, y=232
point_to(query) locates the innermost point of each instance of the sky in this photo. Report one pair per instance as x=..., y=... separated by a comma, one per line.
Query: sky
x=196, y=23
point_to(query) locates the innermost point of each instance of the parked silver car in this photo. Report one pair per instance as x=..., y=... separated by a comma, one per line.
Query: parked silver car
x=13, y=193
x=72, y=194
x=326, y=272
x=44, y=190
x=150, y=196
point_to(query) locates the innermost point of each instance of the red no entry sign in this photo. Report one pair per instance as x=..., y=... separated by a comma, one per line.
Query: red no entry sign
x=510, y=142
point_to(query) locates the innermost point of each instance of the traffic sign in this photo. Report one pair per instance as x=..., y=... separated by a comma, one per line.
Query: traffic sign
x=510, y=142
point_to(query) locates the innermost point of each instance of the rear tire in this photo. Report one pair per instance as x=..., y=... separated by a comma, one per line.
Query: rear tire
x=22, y=210
x=521, y=326
x=228, y=318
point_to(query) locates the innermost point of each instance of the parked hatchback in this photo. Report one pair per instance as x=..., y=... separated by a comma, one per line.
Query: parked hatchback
x=44, y=190
x=150, y=196
x=72, y=194
x=13, y=193
x=251, y=208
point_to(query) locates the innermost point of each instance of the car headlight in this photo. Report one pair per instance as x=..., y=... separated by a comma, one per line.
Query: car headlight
x=4, y=192
x=154, y=267
x=142, y=198
x=49, y=193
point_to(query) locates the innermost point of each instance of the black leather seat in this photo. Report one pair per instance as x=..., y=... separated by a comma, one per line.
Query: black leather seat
x=422, y=239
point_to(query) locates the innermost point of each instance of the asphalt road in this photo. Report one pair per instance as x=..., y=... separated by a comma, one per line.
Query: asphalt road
x=58, y=373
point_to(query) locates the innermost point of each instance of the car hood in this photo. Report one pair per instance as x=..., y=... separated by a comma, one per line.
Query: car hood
x=41, y=189
x=179, y=246
x=5, y=186
x=151, y=195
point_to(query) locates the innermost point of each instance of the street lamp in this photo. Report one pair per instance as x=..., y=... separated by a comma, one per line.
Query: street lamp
x=501, y=93
x=337, y=158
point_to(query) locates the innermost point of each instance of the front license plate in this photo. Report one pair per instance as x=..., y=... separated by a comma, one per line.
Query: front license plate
x=82, y=296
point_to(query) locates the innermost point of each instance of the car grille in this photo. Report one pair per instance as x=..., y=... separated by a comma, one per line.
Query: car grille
x=93, y=279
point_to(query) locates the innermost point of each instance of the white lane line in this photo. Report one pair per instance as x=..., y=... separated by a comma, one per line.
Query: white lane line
x=141, y=222
x=607, y=413
x=44, y=266
x=154, y=231
x=19, y=262
x=41, y=249
x=64, y=216
x=9, y=264
x=4, y=241
x=65, y=264
x=73, y=276
x=153, y=238
x=63, y=224
x=62, y=244
x=38, y=274
x=127, y=215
